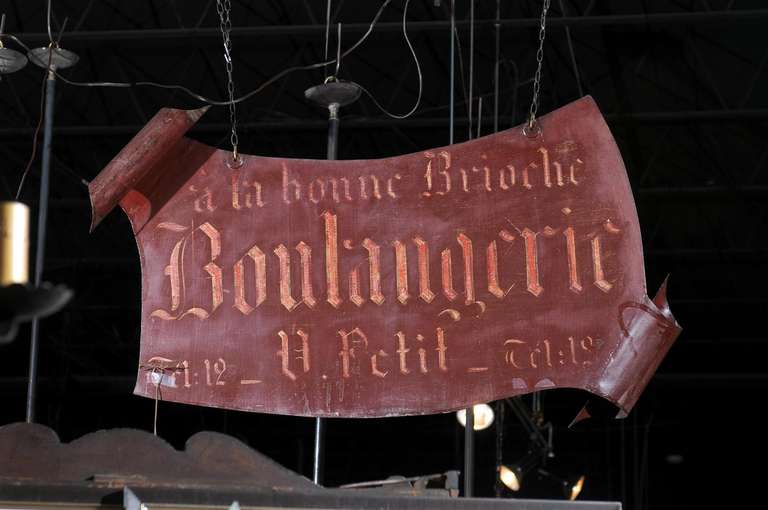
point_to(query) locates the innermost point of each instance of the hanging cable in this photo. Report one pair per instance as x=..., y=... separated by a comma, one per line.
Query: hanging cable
x=214, y=102
x=418, y=70
x=471, y=78
x=532, y=128
x=338, y=55
x=52, y=45
x=571, y=51
x=497, y=34
x=48, y=23
x=452, y=88
x=327, y=27
x=34, y=139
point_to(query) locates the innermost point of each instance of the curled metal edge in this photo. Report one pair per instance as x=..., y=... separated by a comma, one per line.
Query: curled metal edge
x=144, y=152
x=649, y=329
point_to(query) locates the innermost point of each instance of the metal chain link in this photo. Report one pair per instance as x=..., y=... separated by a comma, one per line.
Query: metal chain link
x=224, y=8
x=531, y=128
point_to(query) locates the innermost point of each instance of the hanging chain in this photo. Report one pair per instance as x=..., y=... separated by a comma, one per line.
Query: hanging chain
x=531, y=128
x=224, y=7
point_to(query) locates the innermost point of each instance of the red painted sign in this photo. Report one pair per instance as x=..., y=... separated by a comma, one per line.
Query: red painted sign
x=409, y=285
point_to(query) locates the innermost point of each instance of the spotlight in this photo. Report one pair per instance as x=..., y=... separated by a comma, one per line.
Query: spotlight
x=571, y=487
x=512, y=476
x=483, y=416
x=574, y=489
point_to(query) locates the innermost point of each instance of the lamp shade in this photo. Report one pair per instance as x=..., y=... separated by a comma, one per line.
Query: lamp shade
x=11, y=60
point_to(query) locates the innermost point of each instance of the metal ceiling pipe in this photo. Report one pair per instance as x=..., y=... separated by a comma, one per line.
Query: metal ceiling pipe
x=211, y=35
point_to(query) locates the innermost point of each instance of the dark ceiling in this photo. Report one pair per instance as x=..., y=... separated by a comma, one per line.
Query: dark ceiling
x=682, y=84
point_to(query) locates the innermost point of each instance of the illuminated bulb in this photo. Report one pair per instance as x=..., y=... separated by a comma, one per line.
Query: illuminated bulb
x=14, y=243
x=576, y=488
x=510, y=478
x=483, y=416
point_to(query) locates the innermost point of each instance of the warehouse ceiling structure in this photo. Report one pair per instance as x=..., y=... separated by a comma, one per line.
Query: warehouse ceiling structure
x=682, y=84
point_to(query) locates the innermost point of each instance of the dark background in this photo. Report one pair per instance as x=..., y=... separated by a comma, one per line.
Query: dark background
x=682, y=84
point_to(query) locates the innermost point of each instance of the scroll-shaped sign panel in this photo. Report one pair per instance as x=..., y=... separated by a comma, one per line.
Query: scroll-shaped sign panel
x=409, y=285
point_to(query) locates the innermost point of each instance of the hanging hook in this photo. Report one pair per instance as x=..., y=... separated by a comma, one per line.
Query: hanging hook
x=532, y=129
x=54, y=45
x=236, y=160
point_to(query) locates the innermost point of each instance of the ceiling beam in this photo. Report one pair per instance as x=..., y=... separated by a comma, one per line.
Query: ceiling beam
x=319, y=124
x=212, y=35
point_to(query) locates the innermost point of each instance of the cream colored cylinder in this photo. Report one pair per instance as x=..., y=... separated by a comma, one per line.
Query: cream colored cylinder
x=14, y=243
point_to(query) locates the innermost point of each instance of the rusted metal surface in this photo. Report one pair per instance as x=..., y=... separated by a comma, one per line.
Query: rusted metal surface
x=416, y=284
x=148, y=149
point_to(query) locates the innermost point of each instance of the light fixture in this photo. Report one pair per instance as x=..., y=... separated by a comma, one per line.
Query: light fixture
x=512, y=476
x=483, y=416
x=51, y=57
x=14, y=243
x=574, y=489
x=10, y=60
x=57, y=58
x=20, y=301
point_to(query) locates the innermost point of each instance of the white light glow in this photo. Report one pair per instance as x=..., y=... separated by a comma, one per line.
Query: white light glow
x=483, y=416
x=509, y=478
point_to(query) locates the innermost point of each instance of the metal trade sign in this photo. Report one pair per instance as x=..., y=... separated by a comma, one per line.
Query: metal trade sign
x=416, y=284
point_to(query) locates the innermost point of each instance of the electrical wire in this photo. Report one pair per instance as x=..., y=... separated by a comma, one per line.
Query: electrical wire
x=275, y=77
x=214, y=102
x=34, y=136
x=52, y=46
x=418, y=70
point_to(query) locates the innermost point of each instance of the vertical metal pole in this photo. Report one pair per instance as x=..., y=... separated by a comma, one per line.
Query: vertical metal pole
x=451, y=111
x=469, y=453
x=499, y=446
x=319, y=457
x=469, y=430
x=318, y=465
x=333, y=130
x=471, y=63
x=42, y=220
x=497, y=25
x=469, y=437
